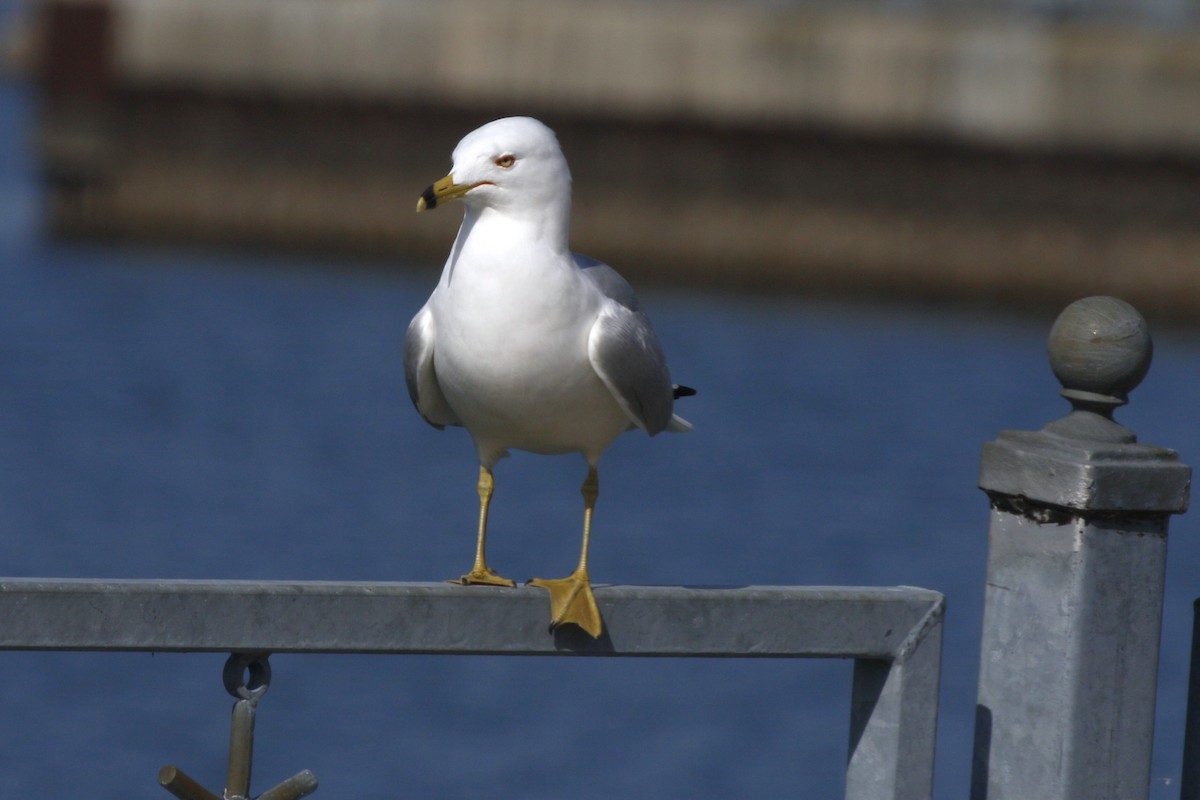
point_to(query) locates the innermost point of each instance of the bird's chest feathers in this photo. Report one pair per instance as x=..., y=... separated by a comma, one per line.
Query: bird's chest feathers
x=513, y=334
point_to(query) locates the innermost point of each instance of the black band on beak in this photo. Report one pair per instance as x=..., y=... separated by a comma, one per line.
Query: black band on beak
x=429, y=197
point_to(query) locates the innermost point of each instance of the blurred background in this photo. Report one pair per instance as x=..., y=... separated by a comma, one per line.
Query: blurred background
x=853, y=224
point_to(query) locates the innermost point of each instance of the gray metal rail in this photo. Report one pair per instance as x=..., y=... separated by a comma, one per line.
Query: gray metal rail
x=894, y=635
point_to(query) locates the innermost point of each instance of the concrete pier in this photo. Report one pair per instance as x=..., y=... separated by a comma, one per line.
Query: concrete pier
x=992, y=158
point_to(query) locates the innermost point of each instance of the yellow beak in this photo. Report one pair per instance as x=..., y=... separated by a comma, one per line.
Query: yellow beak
x=442, y=191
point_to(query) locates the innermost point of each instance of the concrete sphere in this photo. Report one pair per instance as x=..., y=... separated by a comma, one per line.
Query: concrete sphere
x=1100, y=345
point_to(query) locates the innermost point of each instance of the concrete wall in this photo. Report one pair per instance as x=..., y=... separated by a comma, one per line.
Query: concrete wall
x=1011, y=79
x=996, y=160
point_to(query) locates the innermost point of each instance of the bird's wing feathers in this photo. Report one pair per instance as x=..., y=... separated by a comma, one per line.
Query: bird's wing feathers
x=420, y=375
x=608, y=280
x=626, y=355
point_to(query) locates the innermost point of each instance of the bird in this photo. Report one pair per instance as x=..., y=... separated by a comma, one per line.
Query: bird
x=527, y=345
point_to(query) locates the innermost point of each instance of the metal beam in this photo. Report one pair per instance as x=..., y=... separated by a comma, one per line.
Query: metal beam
x=894, y=635
x=334, y=617
x=893, y=718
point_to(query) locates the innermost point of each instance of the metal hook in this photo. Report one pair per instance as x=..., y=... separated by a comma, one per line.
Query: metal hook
x=246, y=676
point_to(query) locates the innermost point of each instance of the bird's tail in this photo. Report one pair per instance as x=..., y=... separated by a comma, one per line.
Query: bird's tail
x=678, y=424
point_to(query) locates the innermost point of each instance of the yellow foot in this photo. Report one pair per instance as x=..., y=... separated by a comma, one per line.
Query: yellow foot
x=572, y=601
x=484, y=577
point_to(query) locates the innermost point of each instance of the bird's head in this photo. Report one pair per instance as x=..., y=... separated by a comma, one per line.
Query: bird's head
x=512, y=164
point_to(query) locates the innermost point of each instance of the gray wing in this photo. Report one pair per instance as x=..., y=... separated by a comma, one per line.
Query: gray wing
x=625, y=353
x=420, y=375
x=608, y=280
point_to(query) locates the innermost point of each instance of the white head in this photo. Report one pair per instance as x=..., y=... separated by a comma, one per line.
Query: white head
x=513, y=165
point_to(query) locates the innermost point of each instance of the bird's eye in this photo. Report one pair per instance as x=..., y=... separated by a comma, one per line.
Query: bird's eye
x=506, y=160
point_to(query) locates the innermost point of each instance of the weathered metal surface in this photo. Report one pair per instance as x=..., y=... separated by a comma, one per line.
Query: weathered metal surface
x=246, y=677
x=182, y=786
x=1076, y=562
x=893, y=633
x=1100, y=350
x=1070, y=655
x=241, y=749
x=892, y=724
x=1086, y=476
x=330, y=617
x=1189, y=783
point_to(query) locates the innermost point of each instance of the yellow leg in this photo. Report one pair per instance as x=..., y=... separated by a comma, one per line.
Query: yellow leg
x=571, y=598
x=480, y=572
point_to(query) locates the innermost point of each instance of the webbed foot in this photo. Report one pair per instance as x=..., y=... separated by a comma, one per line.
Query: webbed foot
x=572, y=601
x=484, y=577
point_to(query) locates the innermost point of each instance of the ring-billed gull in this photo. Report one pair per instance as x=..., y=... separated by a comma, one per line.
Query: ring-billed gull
x=528, y=345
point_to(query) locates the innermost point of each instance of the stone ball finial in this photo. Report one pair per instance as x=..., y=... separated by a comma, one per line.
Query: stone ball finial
x=1100, y=350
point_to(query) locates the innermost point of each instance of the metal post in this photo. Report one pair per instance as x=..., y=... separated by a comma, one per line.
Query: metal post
x=1073, y=603
x=893, y=718
x=1189, y=780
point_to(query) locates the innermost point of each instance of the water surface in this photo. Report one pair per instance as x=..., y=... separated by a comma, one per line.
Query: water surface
x=182, y=414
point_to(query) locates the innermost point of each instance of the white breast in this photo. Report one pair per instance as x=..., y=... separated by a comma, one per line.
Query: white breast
x=511, y=355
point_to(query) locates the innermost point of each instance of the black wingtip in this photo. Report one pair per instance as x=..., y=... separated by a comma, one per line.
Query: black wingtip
x=682, y=391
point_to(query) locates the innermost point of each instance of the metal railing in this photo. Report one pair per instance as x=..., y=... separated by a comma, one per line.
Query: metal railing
x=893, y=634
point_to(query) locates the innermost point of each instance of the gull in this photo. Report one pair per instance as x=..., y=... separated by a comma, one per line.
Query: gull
x=527, y=345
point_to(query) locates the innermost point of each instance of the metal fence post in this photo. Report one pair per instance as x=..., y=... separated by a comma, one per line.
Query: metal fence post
x=1189, y=779
x=893, y=718
x=1073, y=603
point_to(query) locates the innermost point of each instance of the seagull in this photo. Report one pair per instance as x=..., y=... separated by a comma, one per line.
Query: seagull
x=527, y=345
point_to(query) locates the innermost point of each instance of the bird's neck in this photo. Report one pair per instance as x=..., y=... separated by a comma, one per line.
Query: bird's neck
x=543, y=227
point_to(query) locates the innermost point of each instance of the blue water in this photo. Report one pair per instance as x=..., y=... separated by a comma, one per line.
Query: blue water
x=184, y=414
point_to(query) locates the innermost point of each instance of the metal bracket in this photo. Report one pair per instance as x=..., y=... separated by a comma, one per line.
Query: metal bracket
x=246, y=677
